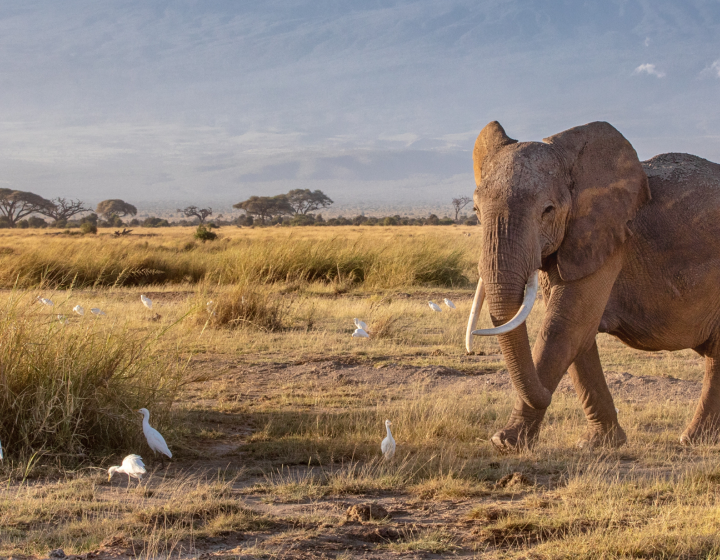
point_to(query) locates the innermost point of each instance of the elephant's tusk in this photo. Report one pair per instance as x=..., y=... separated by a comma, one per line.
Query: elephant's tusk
x=531, y=289
x=474, y=313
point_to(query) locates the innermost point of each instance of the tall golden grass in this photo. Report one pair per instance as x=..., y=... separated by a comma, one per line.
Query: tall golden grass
x=276, y=256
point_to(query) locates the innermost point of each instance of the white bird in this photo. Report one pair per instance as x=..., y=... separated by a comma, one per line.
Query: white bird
x=388, y=444
x=62, y=319
x=79, y=310
x=449, y=303
x=147, y=302
x=96, y=311
x=153, y=437
x=360, y=324
x=360, y=333
x=434, y=306
x=45, y=301
x=132, y=466
x=209, y=307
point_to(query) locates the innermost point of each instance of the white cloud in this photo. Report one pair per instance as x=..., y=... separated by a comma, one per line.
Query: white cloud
x=713, y=69
x=649, y=69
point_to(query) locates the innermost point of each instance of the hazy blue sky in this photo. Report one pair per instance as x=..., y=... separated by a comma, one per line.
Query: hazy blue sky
x=381, y=100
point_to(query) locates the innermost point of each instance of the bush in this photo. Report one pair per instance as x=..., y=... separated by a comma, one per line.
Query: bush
x=23, y=224
x=88, y=227
x=4, y=222
x=71, y=390
x=35, y=222
x=203, y=234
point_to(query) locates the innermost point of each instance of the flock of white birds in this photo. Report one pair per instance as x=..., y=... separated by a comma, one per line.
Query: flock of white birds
x=133, y=465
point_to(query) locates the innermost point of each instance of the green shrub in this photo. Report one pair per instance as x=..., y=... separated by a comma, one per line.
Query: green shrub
x=88, y=227
x=203, y=234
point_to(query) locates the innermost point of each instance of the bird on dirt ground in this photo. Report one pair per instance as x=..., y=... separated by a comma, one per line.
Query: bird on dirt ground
x=96, y=311
x=154, y=439
x=79, y=310
x=434, y=306
x=388, y=444
x=45, y=301
x=449, y=303
x=360, y=333
x=132, y=466
x=360, y=324
x=147, y=302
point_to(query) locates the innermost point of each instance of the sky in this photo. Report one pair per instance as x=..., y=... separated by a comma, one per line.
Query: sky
x=374, y=102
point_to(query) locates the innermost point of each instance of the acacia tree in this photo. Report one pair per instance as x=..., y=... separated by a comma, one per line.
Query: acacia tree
x=266, y=206
x=115, y=207
x=63, y=209
x=459, y=203
x=200, y=213
x=303, y=201
x=15, y=205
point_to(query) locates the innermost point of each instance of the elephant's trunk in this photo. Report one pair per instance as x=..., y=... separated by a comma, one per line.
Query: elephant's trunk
x=505, y=296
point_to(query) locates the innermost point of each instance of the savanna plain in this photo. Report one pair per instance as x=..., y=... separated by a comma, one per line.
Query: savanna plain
x=275, y=414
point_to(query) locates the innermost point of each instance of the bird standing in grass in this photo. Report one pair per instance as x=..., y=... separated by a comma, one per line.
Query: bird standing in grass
x=96, y=311
x=79, y=310
x=360, y=333
x=45, y=301
x=360, y=324
x=449, y=303
x=147, y=302
x=434, y=306
x=132, y=466
x=388, y=444
x=154, y=439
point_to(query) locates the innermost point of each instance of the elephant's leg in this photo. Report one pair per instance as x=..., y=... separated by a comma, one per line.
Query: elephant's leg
x=706, y=421
x=590, y=385
x=569, y=327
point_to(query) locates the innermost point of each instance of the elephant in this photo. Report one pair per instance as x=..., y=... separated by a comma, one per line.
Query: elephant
x=617, y=246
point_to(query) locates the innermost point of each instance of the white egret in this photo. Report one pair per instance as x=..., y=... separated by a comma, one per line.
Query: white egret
x=449, y=303
x=79, y=310
x=62, y=319
x=96, y=311
x=132, y=466
x=154, y=439
x=147, y=302
x=45, y=301
x=434, y=306
x=360, y=324
x=360, y=333
x=388, y=444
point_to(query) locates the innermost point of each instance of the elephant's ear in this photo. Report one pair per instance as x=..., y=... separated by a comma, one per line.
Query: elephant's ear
x=608, y=186
x=489, y=141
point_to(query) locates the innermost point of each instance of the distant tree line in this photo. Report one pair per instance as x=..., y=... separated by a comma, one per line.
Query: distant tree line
x=21, y=209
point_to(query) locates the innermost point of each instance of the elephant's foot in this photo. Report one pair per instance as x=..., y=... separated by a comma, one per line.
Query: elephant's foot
x=520, y=432
x=706, y=430
x=611, y=435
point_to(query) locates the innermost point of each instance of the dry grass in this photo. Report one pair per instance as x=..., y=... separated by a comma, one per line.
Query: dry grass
x=301, y=447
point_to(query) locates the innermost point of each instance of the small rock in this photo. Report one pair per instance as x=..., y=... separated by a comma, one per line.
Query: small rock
x=513, y=480
x=57, y=553
x=366, y=512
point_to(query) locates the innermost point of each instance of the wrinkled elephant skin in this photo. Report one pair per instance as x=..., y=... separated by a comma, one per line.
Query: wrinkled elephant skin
x=623, y=247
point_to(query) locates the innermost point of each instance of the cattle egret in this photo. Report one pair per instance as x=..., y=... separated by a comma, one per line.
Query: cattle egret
x=132, y=466
x=434, y=306
x=147, y=302
x=360, y=333
x=360, y=324
x=79, y=310
x=96, y=311
x=449, y=303
x=154, y=439
x=45, y=301
x=388, y=444
x=62, y=319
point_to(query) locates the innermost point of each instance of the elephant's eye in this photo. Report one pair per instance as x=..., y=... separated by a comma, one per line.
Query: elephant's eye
x=549, y=209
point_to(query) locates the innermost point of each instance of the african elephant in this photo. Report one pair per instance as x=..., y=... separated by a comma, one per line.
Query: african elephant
x=623, y=247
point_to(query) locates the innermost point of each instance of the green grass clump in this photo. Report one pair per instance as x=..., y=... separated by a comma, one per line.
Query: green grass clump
x=70, y=389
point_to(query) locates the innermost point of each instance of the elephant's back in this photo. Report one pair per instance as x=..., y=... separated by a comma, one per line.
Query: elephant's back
x=671, y=274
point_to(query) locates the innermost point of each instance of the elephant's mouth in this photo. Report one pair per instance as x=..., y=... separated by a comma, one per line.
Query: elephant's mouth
x=531, y=288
